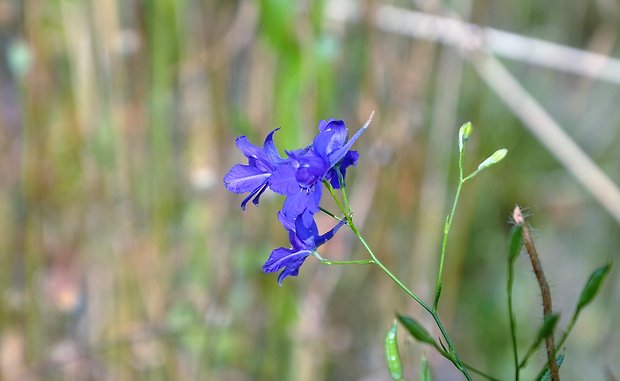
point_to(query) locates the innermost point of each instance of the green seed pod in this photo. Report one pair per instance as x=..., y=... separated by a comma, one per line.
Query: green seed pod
x=392, y=356
x=416, y=330
x=593, y=285
x=493, y=159
x=464, y=134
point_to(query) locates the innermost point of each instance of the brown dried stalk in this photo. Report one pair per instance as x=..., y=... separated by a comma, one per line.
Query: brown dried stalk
x=542, y=283
x=518, y=218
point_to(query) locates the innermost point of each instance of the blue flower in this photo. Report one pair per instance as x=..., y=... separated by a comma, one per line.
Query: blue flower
x=304, y=238
x=254, y=177
x=300, y=178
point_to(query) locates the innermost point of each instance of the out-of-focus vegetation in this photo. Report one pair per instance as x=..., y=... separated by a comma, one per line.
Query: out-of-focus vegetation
x=122, y=256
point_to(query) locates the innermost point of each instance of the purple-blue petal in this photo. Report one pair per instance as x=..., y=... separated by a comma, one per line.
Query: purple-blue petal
x=256, y=193
x=333, y=135
x=283, y=181
x=288, y=259
x=306, y=232
x=339, y=134
x=249, y=149
x=244, y=178
x=349, y=159
x=337, y=155
x=303, y=200
x=318, y=241
x=271, y=152
x=311, y=169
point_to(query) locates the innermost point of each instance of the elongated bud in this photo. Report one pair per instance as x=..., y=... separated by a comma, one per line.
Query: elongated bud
x=593, y=285
x=493, y=159
x=416, y=330
x=464, y=134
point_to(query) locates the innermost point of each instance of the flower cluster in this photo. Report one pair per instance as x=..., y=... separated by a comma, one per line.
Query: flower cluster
x=299, y=177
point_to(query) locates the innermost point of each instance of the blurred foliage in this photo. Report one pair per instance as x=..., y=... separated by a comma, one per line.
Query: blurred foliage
x=123, y=257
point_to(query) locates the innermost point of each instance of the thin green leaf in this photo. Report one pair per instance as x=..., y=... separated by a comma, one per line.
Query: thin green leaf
x=392, y=356
x=547, y=375
x=545, y=330
x=516, y=241
x=593, y=286
x=548, y=327
x=425, y=370
x=416, y=330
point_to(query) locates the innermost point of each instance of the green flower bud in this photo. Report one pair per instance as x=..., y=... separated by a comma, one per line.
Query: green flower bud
x=464, y=134
x=416, y=330
x=493, y=159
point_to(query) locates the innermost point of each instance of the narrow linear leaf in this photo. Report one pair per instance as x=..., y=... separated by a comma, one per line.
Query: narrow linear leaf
x=547, y=375
x=416, y=330
x=443, y=346
x=392, y=356
x=425, y=370
x=593, y=286
x=516, y=242
x=548, y=327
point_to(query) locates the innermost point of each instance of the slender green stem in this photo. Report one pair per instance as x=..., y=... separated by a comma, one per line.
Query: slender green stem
x=481, y=373
x=570, y=327
x=511, y=317
x=472, y=175
x=343, y=190
x=446, y=231
x=332, y=215
x=528, y=354
x=466, y=365
x=454, y=356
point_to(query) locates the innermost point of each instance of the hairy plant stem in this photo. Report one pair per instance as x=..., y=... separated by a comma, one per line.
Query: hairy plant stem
x=546, y=298
x=346, y=210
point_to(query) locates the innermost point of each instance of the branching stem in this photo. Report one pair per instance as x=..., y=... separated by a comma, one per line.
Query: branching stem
x=345, y=209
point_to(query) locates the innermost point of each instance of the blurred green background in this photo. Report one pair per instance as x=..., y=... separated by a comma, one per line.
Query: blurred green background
x=122, y=256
